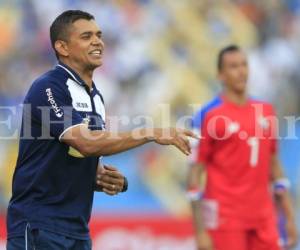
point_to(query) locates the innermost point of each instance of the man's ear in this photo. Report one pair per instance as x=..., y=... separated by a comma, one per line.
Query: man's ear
x=220, y=76
x=61, y=47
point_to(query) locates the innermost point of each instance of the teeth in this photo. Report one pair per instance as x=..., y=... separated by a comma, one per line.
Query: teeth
x=97, y=53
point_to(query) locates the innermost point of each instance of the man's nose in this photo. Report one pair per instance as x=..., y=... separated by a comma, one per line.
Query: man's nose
x=98, y=41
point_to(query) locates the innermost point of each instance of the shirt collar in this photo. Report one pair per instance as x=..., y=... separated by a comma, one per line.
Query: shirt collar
x=72, y=73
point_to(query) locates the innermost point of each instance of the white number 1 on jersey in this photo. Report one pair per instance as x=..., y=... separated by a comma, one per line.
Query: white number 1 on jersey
x=253, y=142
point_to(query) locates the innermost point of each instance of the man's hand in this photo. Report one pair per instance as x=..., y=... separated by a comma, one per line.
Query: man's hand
x=109, y=180
x=177, y=137
x=292, y=235
x=204, y=241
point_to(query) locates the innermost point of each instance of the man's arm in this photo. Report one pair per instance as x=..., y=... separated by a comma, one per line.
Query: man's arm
x=101, y=143
x=195, y=186
x=283, y=199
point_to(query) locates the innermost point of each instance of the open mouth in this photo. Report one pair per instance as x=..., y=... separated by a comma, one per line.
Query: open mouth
x=96, y=52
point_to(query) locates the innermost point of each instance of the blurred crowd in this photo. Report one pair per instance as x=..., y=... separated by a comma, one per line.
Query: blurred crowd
x=157, y=51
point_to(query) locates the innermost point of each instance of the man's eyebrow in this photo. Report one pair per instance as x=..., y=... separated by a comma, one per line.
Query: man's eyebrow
x=99, y=32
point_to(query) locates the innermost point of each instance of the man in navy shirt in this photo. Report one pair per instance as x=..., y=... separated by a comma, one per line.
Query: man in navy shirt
x=63, y=135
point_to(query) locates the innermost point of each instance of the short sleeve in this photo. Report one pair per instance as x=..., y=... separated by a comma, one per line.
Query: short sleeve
x=50, y=106
x=205, y=144
x=197, y=125
x=274, y=133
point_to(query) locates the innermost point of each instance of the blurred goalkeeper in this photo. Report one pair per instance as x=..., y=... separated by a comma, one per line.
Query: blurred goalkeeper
x=63, y=135
x=238, y=168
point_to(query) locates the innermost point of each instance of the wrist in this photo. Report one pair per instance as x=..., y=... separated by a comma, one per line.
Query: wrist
x=194, y=194
x=281, y=186
x=150, y=134
x=289, y=217
x=201, y=231
x=125, y=185
x=98, y=188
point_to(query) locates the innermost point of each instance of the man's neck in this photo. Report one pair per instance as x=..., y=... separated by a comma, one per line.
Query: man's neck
x=85, y=74
x=238, y=98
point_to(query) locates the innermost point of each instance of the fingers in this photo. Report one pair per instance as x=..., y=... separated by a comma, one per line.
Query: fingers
x=292, y=242
x=181, y=146
x=183, y=135
x=110, y=189
x=177, y=137
x=205, y=247
x=182, y=143
x=113, y=174
x=110, y=183
x=110, y=180
x=110, y=167
x=112, y=171
x=100, y=169
x=187, y=144
x=190, y=134
x=292, y=235
x=108, y=174
x=109, y=192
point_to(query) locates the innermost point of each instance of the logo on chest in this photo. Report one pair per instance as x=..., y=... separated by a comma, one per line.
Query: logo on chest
x=82, y=105
x=81, y=100
x=233, y=127
x=58, y=112
x=263, y=122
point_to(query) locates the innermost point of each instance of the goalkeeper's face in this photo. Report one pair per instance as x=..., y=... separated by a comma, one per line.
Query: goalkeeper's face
x=84, y=46
x=234, y=71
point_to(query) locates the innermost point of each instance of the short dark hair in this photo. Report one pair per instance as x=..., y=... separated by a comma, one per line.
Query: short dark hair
x=225, y=50
x=59, y=27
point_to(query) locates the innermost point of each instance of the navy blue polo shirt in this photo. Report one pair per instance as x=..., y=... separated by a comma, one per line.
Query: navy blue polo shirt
x=53, y=184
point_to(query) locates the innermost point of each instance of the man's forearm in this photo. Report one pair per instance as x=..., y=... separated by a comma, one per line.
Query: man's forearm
x=281, y=188
x=285, y=203
x=107, y=143
x=196, y=182
x=198, y=220
x=102, y=143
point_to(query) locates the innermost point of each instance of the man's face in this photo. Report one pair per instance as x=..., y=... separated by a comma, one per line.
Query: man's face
x=85, y=46
x=234, y=71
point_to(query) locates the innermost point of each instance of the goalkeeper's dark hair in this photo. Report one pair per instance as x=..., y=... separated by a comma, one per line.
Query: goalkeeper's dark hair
x=59, y=27
x=225, y=50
